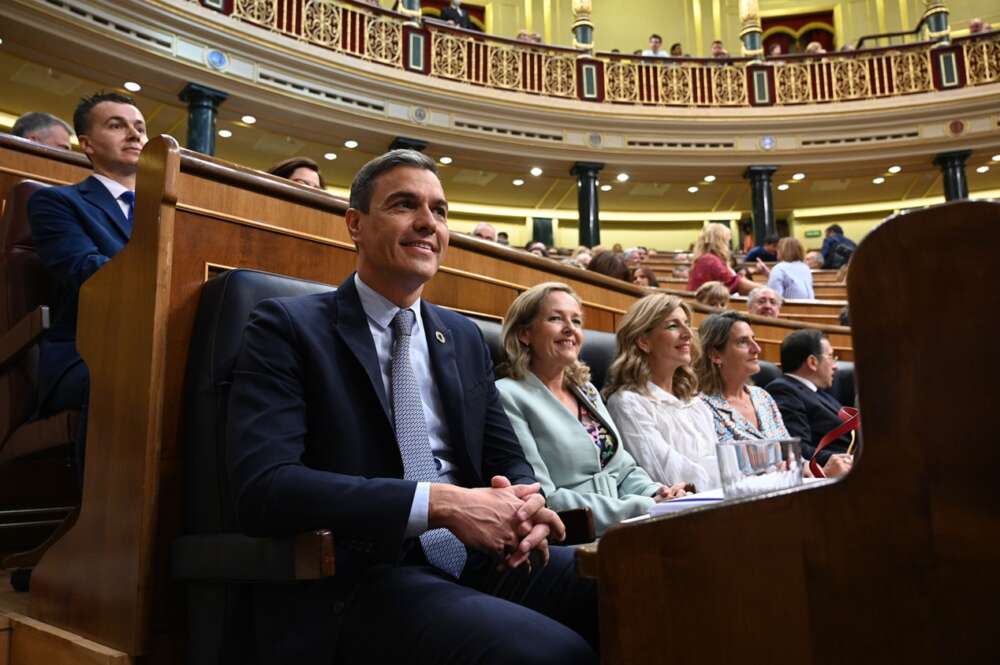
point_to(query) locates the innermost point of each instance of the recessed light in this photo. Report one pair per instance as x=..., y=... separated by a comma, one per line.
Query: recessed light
x=783, y=186
x=517, y=182
x=622, y=177
x=225, y=133
x=536, y=171
x=330, y=156
x=445, y=160
x=132, y=86
x=350, y=143
x=248, y=119
x=895, y=169
x=799, y=176
x=996, y=158
x=878, y=181
x=605, y=188
x=693, y=189
x=982, y=169
x=709, y=178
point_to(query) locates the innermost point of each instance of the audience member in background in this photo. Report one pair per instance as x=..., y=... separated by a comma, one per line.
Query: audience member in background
x=681, y=272
x=791, y=277
x=566, y=432
x=713, y=294
x=814, y=260
x=77, y=229
x=676, y=50
x=808, y=411
x=845, y=316
x=837, y=248
x=43, y=128
x=844, y=269
x=815, y=48
x=775, y=51
x=503, y=238
x=617, y=248
x=301, y=170
x=712, y=257
x=537, y=248
x=457, y=16
x=766, y=251
x=652, y=394
x=645, y=277
x=654, y=50
x=764, y=301
x=611, y=264
x=718, y=50
x=485, y=231
x=583, y=256
x=976, y=25
x=529, y=37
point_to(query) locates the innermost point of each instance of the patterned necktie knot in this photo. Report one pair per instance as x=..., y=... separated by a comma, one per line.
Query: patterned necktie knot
x=402, y=323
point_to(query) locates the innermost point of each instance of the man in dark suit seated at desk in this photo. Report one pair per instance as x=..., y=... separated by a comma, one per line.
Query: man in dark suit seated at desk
x=77, y=229
x=374, y=413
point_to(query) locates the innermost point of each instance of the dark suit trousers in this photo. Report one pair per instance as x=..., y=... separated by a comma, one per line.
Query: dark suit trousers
x=72, y=392
x=412, y=613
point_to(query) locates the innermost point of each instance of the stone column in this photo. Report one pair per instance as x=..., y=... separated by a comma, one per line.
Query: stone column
x=763, y=202
x=750, y=29
x=590, y=224
x=952, y=165
x=583, y=26
x=203, y=104
x=936, y=19
x=411, y=9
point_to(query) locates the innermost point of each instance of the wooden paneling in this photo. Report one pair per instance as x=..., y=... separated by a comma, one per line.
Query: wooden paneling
x=35, y=643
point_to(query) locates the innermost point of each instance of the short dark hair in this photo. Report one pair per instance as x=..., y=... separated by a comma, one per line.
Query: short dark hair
x=364, y=182
x=771, y=239
x=675, y=45
x=611, y=264
x=656, y=36
x=649, y=273
x=285, y=168
x=835, y=228
x=37, y=121
x=798, y=346
x=81, y=116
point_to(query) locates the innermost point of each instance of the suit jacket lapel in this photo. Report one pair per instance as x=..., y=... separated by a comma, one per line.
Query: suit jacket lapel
x=352, y=326
x=441, y=349
x=97, y=194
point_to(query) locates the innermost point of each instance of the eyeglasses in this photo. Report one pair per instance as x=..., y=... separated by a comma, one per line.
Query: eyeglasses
x=832, y=356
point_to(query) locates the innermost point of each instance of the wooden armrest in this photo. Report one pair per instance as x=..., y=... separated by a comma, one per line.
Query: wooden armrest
x=234, y=557
x=579, y=526
x=23, y=334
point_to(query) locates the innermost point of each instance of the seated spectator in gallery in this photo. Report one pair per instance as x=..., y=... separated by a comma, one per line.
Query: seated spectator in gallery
x=712, y=259
x=44, y=128
x=775, y=51
x=655, y=50
x=643, y=276
x=503, y=238
x=567, y=434
x=537, y=248
x=766, y=251
x=844, y=318
x=713, y=294
x=815, y=48
x=528, y=37
x=301, y=170
x=718, y=50
x=791, y=278
x=837, y=248
x=582, y=255
x=764, y=301
x=807, y=409
x=676, y=50
x=976, y=25
x=485, y=231
x=652, y=394
x=814, y=260
x=611, y=264
x=455, y=15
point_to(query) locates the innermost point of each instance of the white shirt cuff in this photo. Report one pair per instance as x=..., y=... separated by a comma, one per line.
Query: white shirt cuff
x=416, y=524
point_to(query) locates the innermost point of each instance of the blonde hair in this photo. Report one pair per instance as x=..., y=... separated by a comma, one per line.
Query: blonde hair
x=790, y=249
x=714, y=240
x=712, y=291
x=520, y=315
x=714, y=336
x=630, y=369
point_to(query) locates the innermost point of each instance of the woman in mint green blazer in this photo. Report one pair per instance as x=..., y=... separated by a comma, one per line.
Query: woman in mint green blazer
x=566, y=432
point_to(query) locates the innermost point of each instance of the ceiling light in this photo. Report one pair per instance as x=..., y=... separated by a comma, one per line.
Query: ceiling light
x=445, y=160
x=895, y=169
x=982, y=169
x=249, y=119
x=799, y=176
x=709, y=178
x=605, y=188
x=132, y=86
x=878, y=181
x=225, y=133
x=622, y=177
x=350, y=143
x=693, y=189
x=330, y=156
x=536, y=171
x=517, y=182
x=996, y=158
x=783, y=186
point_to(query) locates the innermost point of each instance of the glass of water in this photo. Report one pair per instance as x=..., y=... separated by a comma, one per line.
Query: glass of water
x=759, y=466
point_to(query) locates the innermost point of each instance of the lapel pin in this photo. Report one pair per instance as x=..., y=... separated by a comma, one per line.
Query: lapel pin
x=439, y=336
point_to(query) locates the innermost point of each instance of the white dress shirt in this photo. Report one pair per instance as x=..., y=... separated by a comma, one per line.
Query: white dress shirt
x=673, y=440
x=116, y=189
x=380, y=312
x=809, y=384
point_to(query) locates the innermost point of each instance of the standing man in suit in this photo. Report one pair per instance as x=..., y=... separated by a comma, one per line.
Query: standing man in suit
x=809, y=412
x=77, y=229
x=457, y=16
x=374, y=413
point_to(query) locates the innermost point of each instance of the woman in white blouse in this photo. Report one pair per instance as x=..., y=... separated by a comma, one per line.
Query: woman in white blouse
x=651, y=394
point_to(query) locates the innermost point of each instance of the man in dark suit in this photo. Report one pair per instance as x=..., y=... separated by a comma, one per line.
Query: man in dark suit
x=77, y=229
x=455, y=15
x=809, y=412
x=374, y=413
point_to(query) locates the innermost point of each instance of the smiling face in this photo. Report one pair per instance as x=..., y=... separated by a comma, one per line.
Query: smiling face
x=115, y=136
x=305, y=176
x=739, y=359
x=403, y=237
x=555, y=335
x=668, y=345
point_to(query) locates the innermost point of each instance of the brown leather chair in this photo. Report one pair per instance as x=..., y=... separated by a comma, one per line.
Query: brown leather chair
x=33, y=453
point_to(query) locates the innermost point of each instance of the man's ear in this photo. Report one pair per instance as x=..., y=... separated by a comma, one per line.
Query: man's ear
x=85, y=146
x=353, y=219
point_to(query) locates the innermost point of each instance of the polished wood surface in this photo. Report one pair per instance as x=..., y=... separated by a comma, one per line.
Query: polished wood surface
x=895, y=562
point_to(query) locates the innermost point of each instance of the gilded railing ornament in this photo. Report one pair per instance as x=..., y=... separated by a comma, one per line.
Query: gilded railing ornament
x=321, y=22
x=449, y=56
x=729, y=85
x=912, y=72
x=621, y=82
x=982, y=58
x=792, y=83
x=261, y=12
x=850, y=79
x=384, y=38
x=505, y=67
x=560, y=76
x=675, y=85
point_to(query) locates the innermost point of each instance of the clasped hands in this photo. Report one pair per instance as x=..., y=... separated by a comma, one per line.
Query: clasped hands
x=508, y=520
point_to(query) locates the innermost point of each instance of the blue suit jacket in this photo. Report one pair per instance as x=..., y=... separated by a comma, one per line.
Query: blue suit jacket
x=808, y=415
x=76, y=229
x=311, y=445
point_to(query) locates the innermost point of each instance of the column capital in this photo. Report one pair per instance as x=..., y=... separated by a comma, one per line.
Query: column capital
x=586, y=168
x=754, y=172
x=197, y=93
x=402, y=142
x=952, y=157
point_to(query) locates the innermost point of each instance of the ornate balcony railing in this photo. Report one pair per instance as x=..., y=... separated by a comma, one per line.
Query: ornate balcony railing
x=442, y=51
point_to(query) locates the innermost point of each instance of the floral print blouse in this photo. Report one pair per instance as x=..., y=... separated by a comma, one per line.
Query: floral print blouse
x=730, y=425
